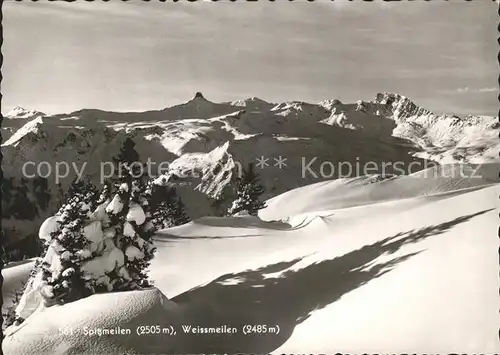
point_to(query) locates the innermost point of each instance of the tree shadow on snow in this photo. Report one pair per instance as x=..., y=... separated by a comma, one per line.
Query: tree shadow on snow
x=242, y=222
x=170, y=238
x=289, y=297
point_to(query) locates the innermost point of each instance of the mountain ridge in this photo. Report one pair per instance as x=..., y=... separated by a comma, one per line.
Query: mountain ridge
x=397, y=106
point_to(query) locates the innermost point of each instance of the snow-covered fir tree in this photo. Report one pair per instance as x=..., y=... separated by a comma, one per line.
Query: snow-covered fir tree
x=101, y=242
x=84, y=189
x=64, y=278
x=126, y=214
x=178, y=214
x=248, y=192
x=164, y=209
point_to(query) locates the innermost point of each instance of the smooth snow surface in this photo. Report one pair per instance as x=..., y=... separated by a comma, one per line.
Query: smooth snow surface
x=344, y=193
x=411, y=272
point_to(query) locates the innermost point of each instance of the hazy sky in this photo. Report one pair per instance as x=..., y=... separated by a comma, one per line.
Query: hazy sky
x=60, y=57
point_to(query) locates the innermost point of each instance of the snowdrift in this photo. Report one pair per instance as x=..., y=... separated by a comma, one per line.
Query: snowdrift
x=368, y=189
x=67, y=329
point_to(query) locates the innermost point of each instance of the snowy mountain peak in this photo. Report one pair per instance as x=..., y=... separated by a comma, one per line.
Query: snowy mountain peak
x=330, y=104
x=21, y=112
x=399, y=106
x=199, y=95
x=386, y=98
x=253, y=103
x=198, y=101
x=196, y=108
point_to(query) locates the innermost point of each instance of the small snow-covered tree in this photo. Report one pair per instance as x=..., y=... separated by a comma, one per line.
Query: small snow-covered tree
x=248, y=192
x=64, y=275
x=169, y=207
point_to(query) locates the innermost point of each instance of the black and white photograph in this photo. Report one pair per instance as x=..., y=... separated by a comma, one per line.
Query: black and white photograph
x=250, y=177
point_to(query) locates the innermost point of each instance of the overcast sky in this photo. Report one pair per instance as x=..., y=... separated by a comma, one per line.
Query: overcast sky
x=60, y=57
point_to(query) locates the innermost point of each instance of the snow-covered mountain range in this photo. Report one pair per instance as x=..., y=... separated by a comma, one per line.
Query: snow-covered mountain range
x=205, y=144
x=200, y=125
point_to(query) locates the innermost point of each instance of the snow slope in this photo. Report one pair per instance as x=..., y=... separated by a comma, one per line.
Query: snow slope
x=344, y=193
x=417, y=274
x=433, y=287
